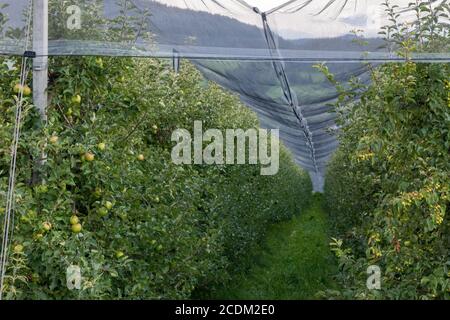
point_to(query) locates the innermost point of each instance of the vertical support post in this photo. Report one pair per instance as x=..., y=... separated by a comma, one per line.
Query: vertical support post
x=40, y=63
x=176, y=61
x=40, y=73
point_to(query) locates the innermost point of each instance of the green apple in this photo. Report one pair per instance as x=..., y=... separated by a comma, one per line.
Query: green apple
x=38, y=236
x=99, y=62
x=76, y=228
x=76, y=99
x=53, y=139
x=26, y=89
x=88, y=156
x=98, y=192
x=101, y=146
x=103, y=212
x=47, y=226
x=18, y=248
x=17, y=88
x=108, y=205
x=74, y=220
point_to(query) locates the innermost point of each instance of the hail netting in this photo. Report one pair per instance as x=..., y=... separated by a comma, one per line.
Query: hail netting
x=265, y=57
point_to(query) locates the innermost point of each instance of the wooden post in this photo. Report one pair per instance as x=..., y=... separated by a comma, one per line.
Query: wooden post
x=40, y=63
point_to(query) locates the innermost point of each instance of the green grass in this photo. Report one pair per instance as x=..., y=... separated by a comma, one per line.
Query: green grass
x=294, y=262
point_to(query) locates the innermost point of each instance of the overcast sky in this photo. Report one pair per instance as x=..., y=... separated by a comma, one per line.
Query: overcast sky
x=265, y=5
x=366, y=15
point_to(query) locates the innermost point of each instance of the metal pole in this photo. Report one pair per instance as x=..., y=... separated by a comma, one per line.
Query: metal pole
x=40, y=73
x=40, y=63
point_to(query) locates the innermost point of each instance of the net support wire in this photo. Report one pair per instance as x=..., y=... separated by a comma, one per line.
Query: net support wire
x=8, y=223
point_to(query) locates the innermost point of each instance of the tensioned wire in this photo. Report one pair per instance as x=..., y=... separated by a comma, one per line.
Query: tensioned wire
x=8, y=224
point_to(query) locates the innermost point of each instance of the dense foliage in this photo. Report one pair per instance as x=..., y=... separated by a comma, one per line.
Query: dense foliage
x=388, y=186
x=147, y=228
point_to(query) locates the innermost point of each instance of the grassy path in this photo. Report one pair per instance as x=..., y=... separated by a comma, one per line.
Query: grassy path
x=294, y=262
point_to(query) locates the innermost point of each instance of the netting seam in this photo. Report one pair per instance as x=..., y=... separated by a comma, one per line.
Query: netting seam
x=288, y=93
